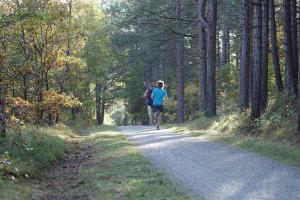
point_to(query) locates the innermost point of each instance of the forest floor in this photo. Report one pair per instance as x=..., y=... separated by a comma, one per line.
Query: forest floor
x=64, y=178
x=212, y=170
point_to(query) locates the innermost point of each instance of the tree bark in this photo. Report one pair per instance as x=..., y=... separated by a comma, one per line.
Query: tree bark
x=293, y=6
x=298, y=100
x=102, y=112
x=202, y=56
x=180, y=65
x=68, y=53
x=211, y=58
x=225, y=47
x=2, y=103
x=161, y=66
x=256, y=94
x=265, y=53
x=251, y=43
x=288, y=47
x=25, y=87
x=275, y=57
x=99, y=105
x=244, y=55
x=2, y=115
x=219, y=53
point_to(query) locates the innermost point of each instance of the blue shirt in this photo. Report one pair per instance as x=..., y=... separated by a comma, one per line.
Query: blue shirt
x=158, y=96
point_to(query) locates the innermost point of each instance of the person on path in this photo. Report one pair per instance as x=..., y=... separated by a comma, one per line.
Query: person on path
x=159, y=95
x=149, y=102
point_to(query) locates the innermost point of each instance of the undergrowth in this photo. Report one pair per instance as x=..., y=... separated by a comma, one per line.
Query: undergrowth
x=277, y=122
x=26, y=155
x=32, y=150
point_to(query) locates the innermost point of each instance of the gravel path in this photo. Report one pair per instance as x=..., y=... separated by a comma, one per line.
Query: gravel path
x=211, y=170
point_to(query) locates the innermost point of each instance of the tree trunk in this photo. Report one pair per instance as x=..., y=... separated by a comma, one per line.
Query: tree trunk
x=256, y=94
x=99, y=105
x=57, y=118
x=298, y=102
x=68, y=53
x=102, y=112
x=219, y=59
x=225, y=47
x=161, y=66
x=73, y=113
x=202, y=56
x=2, y=103
x=293, y=6
x=40, y=109
x=275, y=57
x=2, y=115
x=288, y=47
x=25, y=87
x=251, y=49
x=244, y=55
x=13, y=89
x=265, y=53
x=180, y=65
x=211, y=59
x=2, y=119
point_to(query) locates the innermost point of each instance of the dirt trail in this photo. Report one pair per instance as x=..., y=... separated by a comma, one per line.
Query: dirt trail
x=63, y=177
x=214, y=170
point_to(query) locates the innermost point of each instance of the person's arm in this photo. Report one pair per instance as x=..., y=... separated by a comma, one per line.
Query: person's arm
x=152, y=95
x=166, y=96
x=145, y=94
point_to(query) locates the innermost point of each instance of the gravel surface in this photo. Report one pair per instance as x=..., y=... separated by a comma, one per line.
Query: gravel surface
x=210, y=170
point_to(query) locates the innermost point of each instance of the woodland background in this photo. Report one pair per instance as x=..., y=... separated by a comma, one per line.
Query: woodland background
x=227, y=62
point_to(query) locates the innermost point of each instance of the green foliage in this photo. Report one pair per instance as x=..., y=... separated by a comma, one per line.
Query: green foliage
x=227, y=88
x=55, y=52
x=191, y=101
x=277, y=123
x=119, y=114
x=39, y=150
x=53, y=102
x=170, y=106
x=33, y=150
x=133, y=93
x=6, y=166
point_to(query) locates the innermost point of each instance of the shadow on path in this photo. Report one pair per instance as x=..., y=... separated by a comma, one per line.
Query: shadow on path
x=214, y=170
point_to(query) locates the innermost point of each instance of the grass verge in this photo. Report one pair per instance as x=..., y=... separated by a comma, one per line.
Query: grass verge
x=282, y=151
x=26, y=154
x=114, y=170
x=117, y=171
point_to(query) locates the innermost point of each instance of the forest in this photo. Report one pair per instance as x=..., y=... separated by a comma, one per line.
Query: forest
x=228, y=65
x=62, y=61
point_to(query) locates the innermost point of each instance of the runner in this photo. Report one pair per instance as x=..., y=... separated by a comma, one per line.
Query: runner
x=149, y=102
x=158, y=95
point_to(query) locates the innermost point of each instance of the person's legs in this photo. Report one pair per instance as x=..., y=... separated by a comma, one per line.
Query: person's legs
x=158, y=119
x=150, y=113
x=155, y=110
x=158, y=115
x=155, y=117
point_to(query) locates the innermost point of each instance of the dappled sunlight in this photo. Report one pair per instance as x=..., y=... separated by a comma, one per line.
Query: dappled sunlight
x=230, y=189
x=99, y=133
